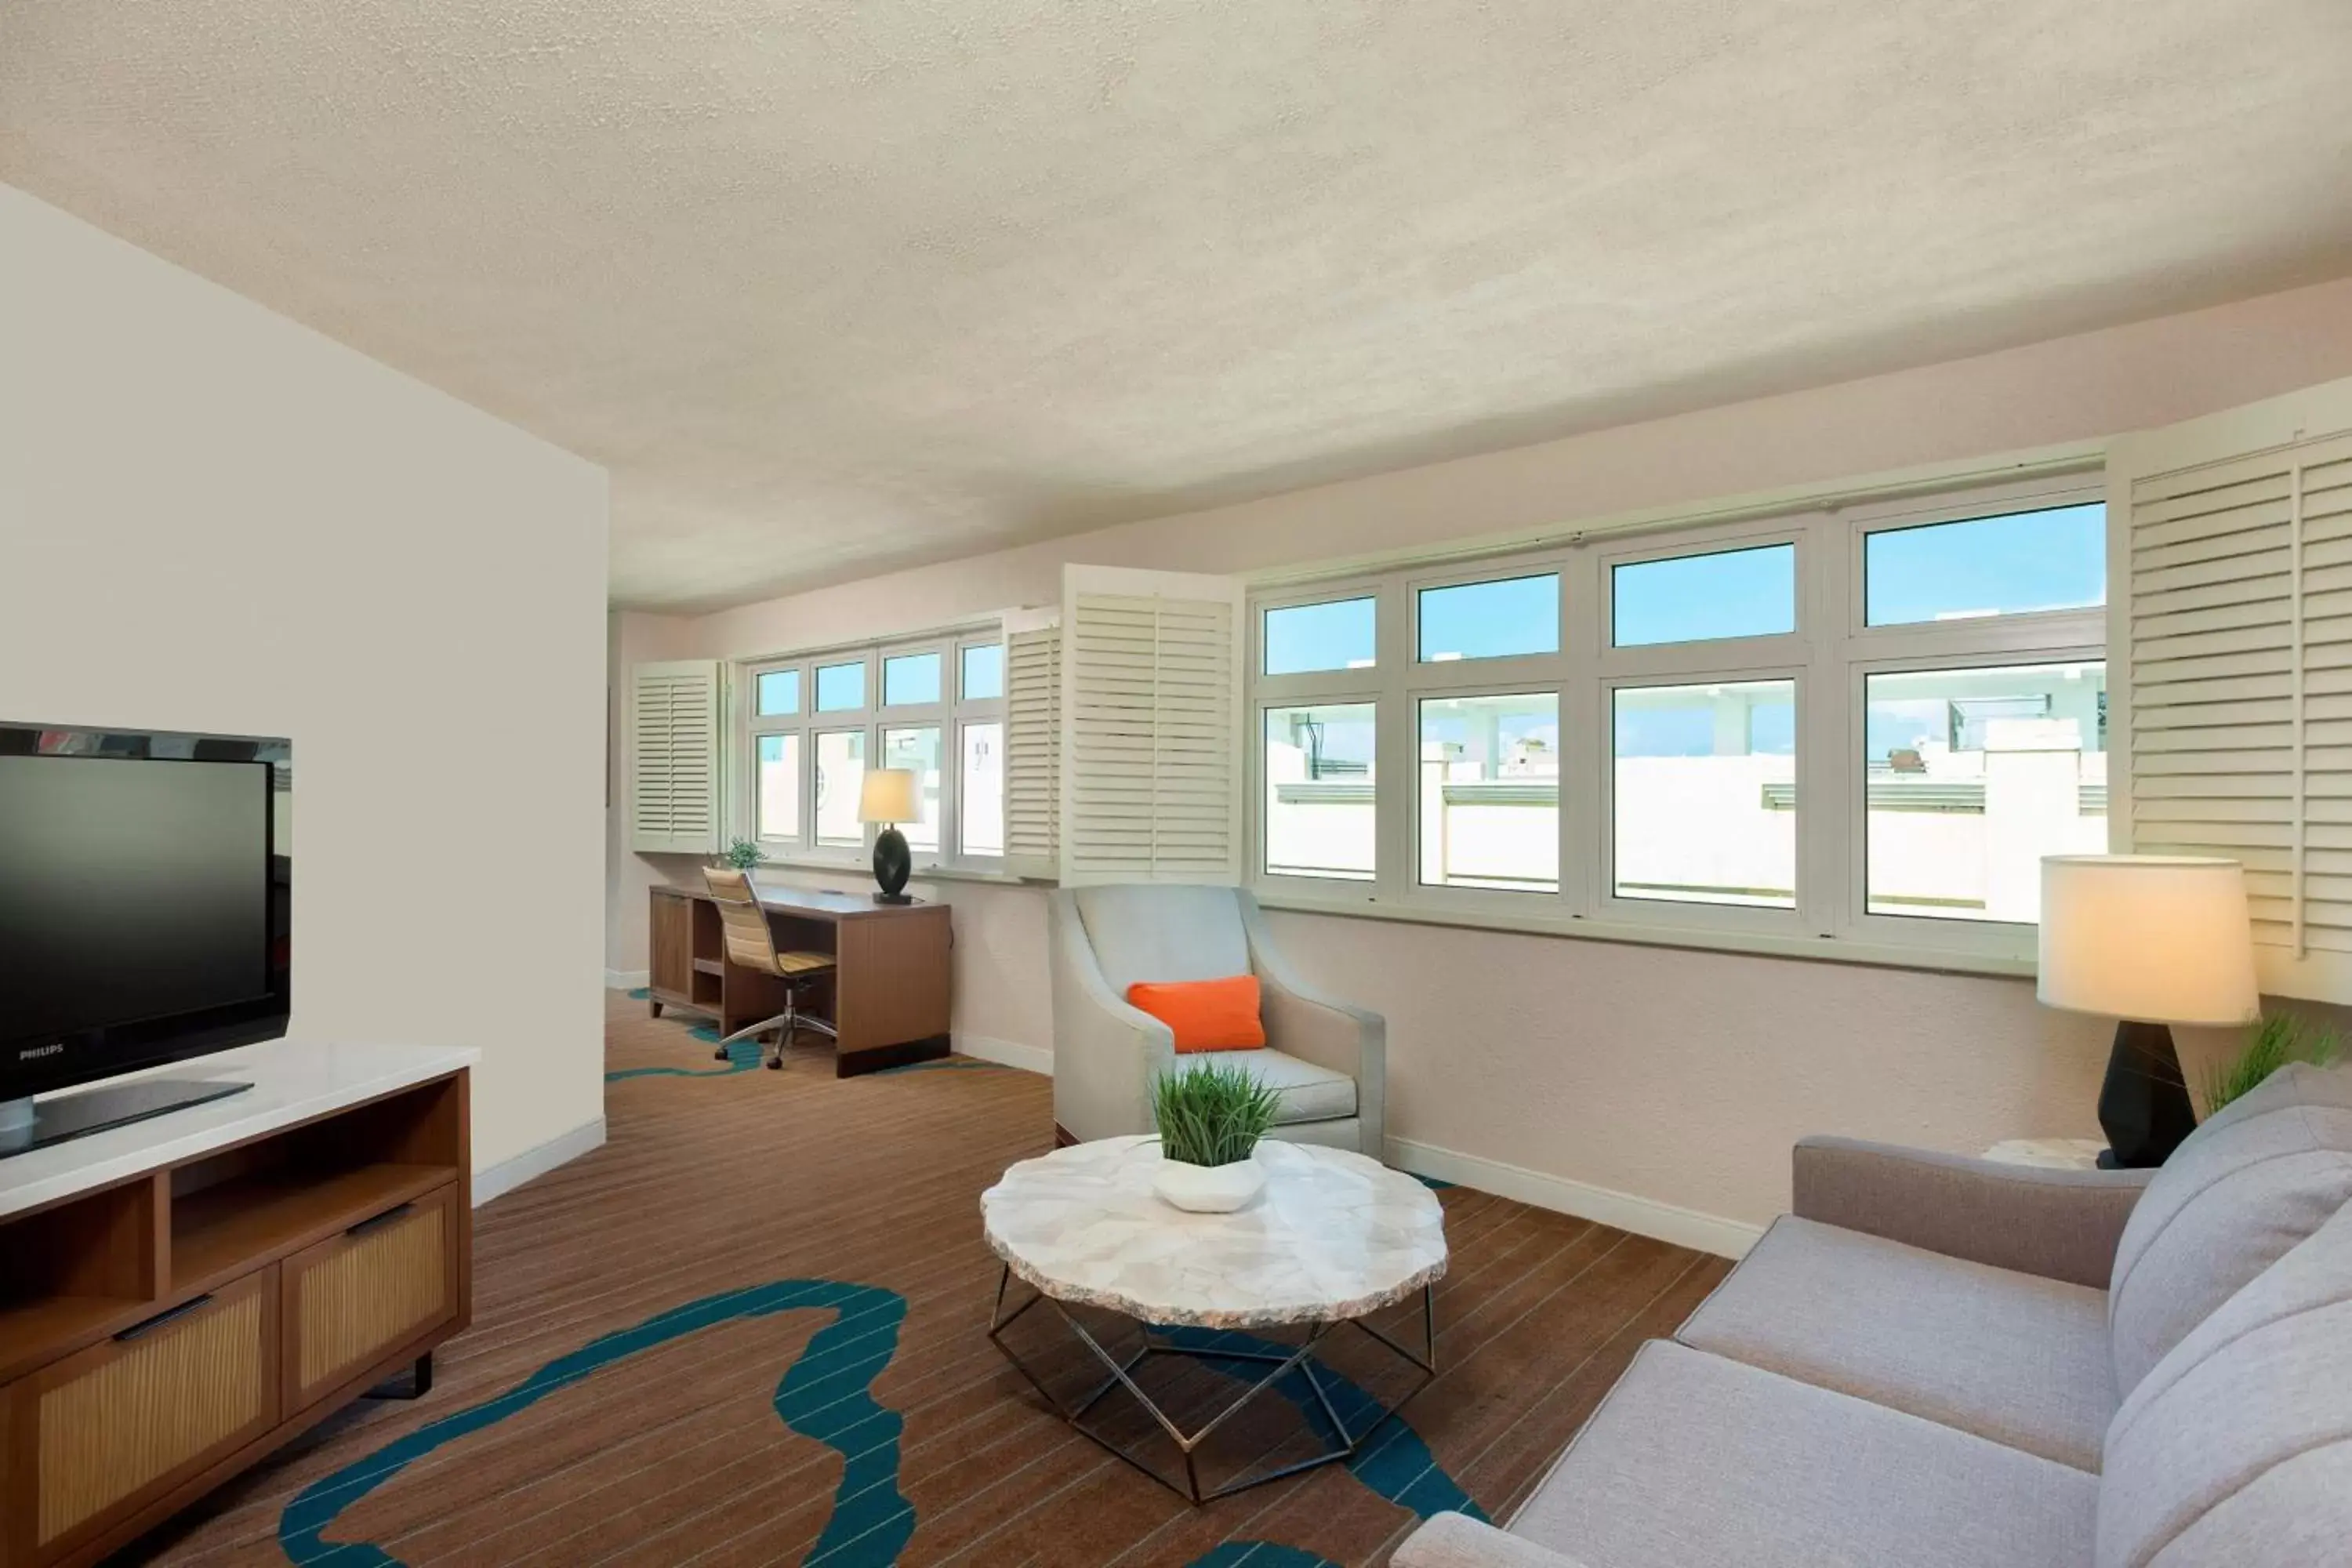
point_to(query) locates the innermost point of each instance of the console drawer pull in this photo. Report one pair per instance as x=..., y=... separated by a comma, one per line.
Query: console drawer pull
x=380, y=1221
x=150, y=1325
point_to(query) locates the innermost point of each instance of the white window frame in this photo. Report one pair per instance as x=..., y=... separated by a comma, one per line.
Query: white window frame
x=1826, y=656
x=948, y=716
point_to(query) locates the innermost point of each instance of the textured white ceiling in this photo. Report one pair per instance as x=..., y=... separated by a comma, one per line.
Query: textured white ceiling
x=833, y=288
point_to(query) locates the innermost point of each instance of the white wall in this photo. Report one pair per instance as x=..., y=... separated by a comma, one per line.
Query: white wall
x=1678, y=1077
x=214, y=518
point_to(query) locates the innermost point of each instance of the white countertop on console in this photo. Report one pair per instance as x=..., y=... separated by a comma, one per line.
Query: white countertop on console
x=292, y=1082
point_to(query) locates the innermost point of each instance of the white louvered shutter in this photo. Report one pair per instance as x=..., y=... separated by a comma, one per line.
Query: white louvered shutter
x=1033, y=743
x=1151, y=747
x=674, y=765
x=2241, y=665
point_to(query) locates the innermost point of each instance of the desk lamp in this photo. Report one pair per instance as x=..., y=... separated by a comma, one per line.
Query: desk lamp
x=887, y=797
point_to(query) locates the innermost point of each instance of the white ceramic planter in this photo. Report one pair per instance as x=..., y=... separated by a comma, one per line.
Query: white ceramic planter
x=1208, y=1189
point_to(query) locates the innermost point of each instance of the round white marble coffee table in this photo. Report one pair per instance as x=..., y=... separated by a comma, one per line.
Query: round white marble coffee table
x=1334, y=1236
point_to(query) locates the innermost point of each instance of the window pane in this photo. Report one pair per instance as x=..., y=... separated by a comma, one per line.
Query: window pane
x=1490, y=620
x=2011, y=565
x=983, y=671
x=780, y=692
x=779, y=787
x=1971, y=777
x=1490, y=792
x=1338, y=636
x=1318, y=791
x=840, y=687
x=1730, y=594
x=918, y=751
x=910, y=678
x=1705, y=792
x=840, y=774
x=982, y=805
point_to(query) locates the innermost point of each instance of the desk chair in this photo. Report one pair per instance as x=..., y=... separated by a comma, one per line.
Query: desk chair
x=751, y=944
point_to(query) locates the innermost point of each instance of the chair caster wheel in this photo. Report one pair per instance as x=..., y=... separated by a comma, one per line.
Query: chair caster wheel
x=719, y=1055
x=775, y=1064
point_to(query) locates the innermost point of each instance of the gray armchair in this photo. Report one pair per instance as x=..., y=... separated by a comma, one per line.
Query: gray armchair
x=1326, y=1059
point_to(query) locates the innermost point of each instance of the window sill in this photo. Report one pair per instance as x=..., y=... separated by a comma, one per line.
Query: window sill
x=862, y=866
x=1815, y=949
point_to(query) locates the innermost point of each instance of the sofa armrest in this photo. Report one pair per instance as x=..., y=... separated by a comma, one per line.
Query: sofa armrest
x=1457, y=1540
x=2060, y=1224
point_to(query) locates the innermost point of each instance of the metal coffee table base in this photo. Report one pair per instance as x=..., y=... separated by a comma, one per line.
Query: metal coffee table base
x=1188, y=1445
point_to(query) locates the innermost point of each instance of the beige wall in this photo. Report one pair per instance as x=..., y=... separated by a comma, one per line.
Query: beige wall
x=1678, y=1077
x=214, y=518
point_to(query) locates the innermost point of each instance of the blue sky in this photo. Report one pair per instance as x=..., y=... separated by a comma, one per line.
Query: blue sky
x=2052, y=559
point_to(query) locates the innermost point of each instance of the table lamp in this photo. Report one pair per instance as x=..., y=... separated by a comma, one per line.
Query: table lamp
x=2151, y=940
x=887, y=797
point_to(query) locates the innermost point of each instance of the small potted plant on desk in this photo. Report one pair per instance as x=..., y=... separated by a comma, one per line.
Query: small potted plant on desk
x=1209, y=1119
x=743, y=855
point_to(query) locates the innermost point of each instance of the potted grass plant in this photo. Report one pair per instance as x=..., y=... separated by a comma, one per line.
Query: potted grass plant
x=1211, y=1118
x=2273, y=1043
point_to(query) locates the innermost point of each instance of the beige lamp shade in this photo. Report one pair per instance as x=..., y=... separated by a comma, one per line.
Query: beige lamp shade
x=2153, y=939
x=888, y=795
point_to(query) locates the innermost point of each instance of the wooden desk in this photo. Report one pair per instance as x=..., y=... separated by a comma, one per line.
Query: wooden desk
x=887, y=997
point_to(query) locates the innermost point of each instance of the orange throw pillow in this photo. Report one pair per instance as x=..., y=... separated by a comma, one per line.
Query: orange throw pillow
x=1207, y=1014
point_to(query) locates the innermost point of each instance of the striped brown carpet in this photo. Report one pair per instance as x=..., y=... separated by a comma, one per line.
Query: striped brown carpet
x=750, y=1330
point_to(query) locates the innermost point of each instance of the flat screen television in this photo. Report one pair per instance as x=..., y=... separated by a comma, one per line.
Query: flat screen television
x=146, y=882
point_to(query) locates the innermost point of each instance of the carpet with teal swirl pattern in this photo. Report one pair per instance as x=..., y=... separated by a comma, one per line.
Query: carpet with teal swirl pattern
x=748, y=1330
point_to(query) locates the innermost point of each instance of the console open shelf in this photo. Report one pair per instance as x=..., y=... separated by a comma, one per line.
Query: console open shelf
x=226, y=1230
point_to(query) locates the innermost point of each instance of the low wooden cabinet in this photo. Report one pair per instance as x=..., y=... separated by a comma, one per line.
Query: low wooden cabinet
x=160, y=1334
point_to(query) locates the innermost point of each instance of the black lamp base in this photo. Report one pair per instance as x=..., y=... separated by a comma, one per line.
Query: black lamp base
x=892, y=865
x=2144, y=1106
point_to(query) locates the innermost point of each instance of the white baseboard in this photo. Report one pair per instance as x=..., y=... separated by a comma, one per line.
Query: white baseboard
x=1006, y=1053
x=1643, y=1217
x=532, y=1163
x=625, y=979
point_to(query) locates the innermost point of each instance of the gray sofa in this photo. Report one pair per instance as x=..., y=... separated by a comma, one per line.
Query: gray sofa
x=1943, y=1363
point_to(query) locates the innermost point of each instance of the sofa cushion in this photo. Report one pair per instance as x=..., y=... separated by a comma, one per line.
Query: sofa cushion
x=1694, y=1461
x=2236, y=1449
x=2264, y=1173
x=1163, y=931
x=2012, y=1357
x=1305, y=1092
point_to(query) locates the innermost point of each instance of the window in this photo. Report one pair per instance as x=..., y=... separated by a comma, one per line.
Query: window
x=910, y=681
x=983, y=671
x=1335, y=636
x=2022, y=562
x=805, y=763
x=1490, y=620
x=982, y=788
x=1703, y=785
x=917, y=751
x=840, y=687
x=840, y=776
x=1655, y=734
x=1693, y=598
x=779, y=791
x=1490, y=792
x=779, y=692
x=1319, y=820
x=1971, y=776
